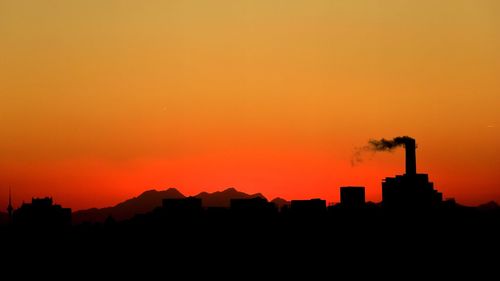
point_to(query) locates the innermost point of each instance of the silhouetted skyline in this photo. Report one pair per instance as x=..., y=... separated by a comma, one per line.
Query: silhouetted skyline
x=410, y=190
x=412, y=217
x=217, y=138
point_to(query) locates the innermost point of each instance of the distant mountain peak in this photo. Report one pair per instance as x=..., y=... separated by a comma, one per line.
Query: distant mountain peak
x=223, y=198
x=492, y=205
x=144, y=203
x=147, y=192
x=148, y=200
x=170, y=192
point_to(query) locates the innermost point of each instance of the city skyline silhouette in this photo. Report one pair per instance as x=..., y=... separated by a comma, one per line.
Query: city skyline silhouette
x=250, y=139
x=411, y=192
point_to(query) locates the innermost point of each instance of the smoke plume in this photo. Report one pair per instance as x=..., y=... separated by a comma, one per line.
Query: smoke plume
x=378, y=145
x=387, y=145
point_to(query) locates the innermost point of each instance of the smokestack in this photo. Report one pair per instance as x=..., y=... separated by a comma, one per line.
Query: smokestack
x=411, y=161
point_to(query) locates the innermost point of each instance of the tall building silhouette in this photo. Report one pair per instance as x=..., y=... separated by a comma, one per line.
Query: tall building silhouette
x=410, y=156
x=411, y=190
x=10, y=209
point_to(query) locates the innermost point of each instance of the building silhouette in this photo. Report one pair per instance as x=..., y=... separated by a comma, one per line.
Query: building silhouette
x=255, y=206
x=312, y=206
x=10, y=209
x=411, y=190
x=42, y=212
x=352, y=196
x=187, y=205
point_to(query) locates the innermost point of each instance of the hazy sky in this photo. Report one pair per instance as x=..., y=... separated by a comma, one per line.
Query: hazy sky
x=101, y=100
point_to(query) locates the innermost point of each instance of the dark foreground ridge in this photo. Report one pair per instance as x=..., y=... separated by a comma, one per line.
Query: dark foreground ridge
x=305, y=235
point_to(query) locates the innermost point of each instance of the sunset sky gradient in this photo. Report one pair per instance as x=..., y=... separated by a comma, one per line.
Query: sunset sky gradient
x=102, y=100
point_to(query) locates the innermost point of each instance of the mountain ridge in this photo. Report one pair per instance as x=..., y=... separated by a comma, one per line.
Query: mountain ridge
x=148, y=200
x=144, y=203
x=223, y=198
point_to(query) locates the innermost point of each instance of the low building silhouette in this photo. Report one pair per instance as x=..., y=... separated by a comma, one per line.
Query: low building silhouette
x=255, y=206
x=352, y=196
x=312, y=206
x=42, y=212
x=182, y=205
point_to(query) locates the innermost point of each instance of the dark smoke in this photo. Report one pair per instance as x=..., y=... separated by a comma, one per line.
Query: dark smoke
x=378, y=145
x=387, y=145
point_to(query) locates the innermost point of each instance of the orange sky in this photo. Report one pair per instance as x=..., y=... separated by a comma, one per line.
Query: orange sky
x=101, y=99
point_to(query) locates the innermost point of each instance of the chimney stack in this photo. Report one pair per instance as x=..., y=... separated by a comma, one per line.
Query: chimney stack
x=411, y=161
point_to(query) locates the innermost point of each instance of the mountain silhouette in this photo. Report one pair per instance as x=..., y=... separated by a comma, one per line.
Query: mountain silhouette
x=151, y=199
x=492, y=205
x=280, y=202
x=144, y=203
x=223, y=198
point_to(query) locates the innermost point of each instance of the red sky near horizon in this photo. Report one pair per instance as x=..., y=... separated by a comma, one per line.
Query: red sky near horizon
x=102, y=100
